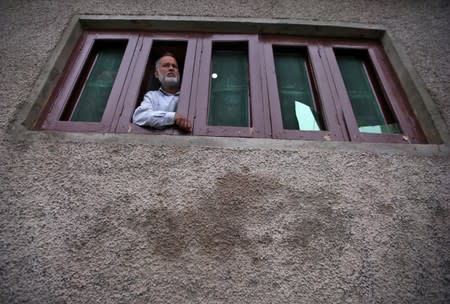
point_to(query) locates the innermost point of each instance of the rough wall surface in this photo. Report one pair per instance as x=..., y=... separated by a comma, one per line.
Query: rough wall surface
x=128, y=223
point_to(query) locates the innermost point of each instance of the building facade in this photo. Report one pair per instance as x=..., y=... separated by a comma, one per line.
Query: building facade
x=138, y=217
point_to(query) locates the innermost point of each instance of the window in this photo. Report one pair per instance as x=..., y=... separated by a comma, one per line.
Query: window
x=142, y=80
x=228, y=98
x=300, y=93
x=90, y=90
x=237, y=85
x=299, y=104
x=369, y=106
x=228, y=102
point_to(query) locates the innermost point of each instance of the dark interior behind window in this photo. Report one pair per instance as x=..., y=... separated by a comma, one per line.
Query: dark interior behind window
x=159, y=47
x=229, y=88
x=88, y=99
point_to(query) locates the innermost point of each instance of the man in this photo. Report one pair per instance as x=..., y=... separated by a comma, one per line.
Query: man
x=158, y=109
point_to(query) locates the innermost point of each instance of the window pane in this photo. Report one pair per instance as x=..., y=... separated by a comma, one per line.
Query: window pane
x=365, y=102
x=298, y=109
x=103, y=70
x=228, y=98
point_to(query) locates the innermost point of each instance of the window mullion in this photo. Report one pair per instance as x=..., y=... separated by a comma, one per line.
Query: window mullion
x=272, y=89
x=142, y=56
x=138, y=41
x=202, y=92
x=325, y=87
x=343, y=104
x=264, y=62
x=191, y=115
x=255, y=102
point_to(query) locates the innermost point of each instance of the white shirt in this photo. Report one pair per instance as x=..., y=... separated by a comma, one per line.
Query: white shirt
x=157, y=110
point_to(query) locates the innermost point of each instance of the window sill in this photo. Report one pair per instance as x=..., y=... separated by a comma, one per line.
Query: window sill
x=23, y=135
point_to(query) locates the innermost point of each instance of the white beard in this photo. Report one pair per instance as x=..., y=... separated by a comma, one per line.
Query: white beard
x=170, y=82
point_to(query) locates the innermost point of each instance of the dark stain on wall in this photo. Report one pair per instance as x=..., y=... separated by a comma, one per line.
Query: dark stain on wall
x=217, y=224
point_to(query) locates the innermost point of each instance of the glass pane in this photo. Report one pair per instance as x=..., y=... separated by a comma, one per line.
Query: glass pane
x=298, y=109
x=228, y=98
x=95, y=93
x=366, y=107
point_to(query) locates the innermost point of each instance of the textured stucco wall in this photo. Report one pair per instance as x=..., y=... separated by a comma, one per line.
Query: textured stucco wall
x=109, y=222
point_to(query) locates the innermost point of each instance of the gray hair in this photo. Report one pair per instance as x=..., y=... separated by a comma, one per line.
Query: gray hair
x=165, y=54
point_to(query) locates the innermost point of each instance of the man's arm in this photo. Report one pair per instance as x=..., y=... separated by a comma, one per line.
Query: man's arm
x=146, y=115
x=183, y=123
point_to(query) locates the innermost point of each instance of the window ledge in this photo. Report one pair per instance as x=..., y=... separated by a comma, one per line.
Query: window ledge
x=24, y=135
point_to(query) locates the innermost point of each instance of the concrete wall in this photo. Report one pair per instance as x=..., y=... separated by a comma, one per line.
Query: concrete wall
x=92, y=218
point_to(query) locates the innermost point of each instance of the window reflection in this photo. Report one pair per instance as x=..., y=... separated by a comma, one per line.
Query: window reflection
x=305, y=117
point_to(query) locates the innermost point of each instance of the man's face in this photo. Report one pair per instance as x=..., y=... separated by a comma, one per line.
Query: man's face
x=167, y=72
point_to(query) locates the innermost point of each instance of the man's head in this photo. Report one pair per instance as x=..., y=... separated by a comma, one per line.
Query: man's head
x=166, y=70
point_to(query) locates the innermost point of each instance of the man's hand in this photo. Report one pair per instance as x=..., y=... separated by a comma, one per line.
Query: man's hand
x=182, y=122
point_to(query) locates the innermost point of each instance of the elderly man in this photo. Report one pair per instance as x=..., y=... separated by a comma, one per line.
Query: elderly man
x=158, y=109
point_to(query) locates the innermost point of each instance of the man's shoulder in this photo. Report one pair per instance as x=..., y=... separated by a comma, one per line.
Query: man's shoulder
x=158, y=92
x=153, y=94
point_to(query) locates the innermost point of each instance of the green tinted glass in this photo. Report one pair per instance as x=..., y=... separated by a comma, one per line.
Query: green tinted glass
x=95, y=93
x=366, y=108
x=298, y=110
x=228, y=98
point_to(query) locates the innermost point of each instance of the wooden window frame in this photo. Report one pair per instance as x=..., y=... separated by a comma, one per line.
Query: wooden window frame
x=50, y=119
x=125, y=124
x=256, y=107
x=320, y=83
x=264, y=103
x=390, y=88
